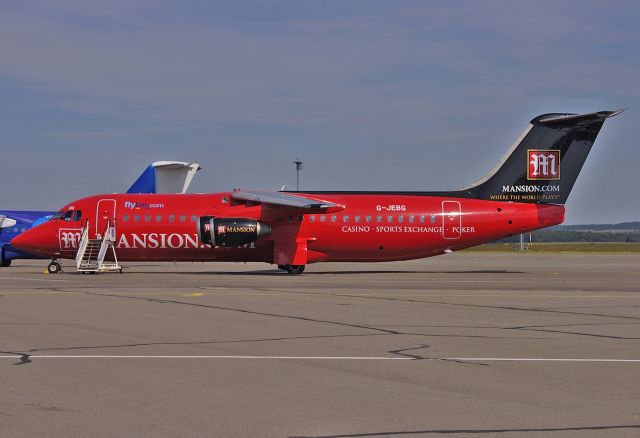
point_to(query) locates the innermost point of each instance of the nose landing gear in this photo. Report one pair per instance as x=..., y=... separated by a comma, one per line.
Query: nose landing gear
x=54, y=267
x=3, y=261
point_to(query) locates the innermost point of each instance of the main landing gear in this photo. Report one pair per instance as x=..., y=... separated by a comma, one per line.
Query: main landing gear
x=292, y=269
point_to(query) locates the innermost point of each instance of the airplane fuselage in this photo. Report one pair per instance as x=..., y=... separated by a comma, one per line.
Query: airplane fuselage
x=372, y=227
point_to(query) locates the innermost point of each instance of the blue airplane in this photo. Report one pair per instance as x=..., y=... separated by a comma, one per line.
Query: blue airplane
x=158, y=177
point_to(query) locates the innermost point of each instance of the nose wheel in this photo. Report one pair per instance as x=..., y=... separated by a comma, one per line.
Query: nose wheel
x=54, y=267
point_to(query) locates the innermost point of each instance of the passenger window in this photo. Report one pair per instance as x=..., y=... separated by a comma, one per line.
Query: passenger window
x=125, y=218
x=194, y=218
x=147, y=218
x=357, y=218
x=183, y=218
x=158, y=218
x=421, y=219
x=433, y=218
x=312, y=218
x=323, y=218
x=367, y=219
x=389, y=219
x=401, y=219
x=15, y=230
x=334, y=218
x=136, y=218
x=172, y=218
x=345, y=218
x=379, y=218
x=411, y=218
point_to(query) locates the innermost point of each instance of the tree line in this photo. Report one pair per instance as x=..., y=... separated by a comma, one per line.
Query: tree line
x=577, y=236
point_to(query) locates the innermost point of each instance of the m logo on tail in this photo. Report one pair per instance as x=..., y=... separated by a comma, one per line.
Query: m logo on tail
x=543, y=164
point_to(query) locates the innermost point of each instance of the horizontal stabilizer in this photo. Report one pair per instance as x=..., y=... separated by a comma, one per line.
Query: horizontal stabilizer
x=574, y=119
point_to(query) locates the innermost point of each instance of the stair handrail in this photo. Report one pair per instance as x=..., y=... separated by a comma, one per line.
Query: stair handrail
x=82, y=246
x=108, y=238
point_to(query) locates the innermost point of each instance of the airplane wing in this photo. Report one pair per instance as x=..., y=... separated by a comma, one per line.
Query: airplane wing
x=165, y=177
x=6, y=222
x=302, y=203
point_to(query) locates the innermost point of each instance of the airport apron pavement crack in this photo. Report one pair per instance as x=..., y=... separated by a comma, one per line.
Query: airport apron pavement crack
x=249, y=312
x=594, y=335
x=380, y=331
x=480, y=306
x=403, y=352
x=548, y=329
x=24, y=357
x=484, y=306
x=473, y=431
x=232, y=341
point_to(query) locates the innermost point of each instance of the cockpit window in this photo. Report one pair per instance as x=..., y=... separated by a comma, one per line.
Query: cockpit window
x=67, y=216
x=57, y=216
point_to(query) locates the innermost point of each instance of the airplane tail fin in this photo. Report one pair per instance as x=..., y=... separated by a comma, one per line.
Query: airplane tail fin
x=544, y=162
x=165, y=177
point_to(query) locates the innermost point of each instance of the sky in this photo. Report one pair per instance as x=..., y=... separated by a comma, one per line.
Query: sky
x=371, y=95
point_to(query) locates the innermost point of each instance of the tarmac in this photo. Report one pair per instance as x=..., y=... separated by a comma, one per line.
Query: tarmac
x=465, y=344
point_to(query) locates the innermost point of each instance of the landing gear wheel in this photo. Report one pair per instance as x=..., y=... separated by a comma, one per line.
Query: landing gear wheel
x=294, y=269
x=54, y=268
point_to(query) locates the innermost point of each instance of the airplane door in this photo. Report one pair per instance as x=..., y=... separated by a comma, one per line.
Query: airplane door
x=105, y=212
x=451, y=219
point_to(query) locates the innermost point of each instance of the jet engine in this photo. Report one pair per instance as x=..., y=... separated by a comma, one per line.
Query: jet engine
x=231, y=231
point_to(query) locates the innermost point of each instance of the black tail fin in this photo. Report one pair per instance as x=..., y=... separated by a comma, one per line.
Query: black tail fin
x=544, y=162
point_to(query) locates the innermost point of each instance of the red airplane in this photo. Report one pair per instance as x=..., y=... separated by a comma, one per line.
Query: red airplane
x=524, y=192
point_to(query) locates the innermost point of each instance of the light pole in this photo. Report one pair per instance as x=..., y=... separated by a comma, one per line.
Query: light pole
x=299, y=167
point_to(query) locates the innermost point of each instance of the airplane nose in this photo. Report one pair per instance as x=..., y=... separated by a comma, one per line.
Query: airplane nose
x=39, y=240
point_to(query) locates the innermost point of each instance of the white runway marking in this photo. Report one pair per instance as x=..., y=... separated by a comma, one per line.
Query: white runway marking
x=468, y=359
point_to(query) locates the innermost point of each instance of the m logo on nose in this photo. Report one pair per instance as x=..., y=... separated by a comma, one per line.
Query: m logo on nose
x=70, y=239
x=543, y=165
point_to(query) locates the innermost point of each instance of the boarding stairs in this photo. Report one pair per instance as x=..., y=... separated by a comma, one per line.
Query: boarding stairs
x=92, y=252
